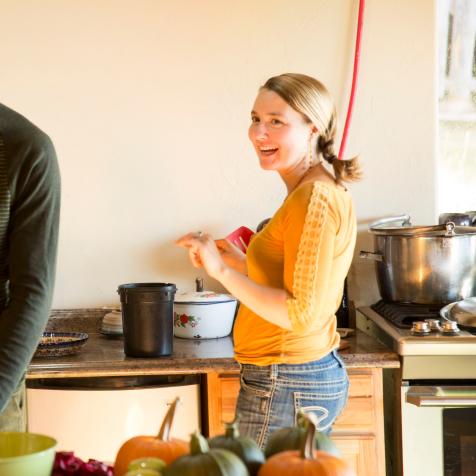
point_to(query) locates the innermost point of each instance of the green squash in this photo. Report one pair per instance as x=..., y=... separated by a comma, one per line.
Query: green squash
x=203, y=461
x=149, y=463
x=292, y=438
x=142, y=472
x=245, y=448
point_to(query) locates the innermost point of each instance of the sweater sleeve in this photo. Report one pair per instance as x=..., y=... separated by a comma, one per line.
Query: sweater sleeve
x=32, y=243
x=309, y=250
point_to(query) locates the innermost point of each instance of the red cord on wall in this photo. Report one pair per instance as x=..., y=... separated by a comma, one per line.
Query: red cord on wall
x=354, y=78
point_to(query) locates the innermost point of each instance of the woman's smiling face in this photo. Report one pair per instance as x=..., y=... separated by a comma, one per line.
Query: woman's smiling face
x=279, y=133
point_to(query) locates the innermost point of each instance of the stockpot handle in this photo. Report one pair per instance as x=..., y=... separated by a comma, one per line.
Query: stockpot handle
x=404, y=218
x=371, y=255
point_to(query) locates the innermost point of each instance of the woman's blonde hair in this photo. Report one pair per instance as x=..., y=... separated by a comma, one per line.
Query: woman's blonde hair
x=310, y=97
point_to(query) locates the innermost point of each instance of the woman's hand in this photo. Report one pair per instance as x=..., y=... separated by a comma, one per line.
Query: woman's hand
x=203, y=252
x=216, y=258
x=232, y=256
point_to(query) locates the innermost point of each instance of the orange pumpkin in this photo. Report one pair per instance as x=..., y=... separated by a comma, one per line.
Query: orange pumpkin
x=307, y=461
x=160, y=446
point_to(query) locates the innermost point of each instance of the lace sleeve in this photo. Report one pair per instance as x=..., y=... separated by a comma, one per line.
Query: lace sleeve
x=313, y=262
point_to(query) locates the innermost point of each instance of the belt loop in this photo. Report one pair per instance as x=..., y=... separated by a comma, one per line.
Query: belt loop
x=274, y=371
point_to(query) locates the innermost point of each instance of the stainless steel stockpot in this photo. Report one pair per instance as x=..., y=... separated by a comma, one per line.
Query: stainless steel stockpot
x=423, y=264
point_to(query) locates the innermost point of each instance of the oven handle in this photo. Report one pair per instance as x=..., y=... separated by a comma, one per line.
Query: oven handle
x=441, y=396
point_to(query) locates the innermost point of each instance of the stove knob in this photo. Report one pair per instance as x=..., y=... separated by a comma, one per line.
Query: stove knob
x=450, y=327
x=420, y=328
x=434, y=324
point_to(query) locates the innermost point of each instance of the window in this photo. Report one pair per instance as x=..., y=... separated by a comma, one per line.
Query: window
x=457, y=105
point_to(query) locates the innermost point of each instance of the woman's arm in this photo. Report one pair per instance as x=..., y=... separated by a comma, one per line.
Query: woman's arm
x=268, y=303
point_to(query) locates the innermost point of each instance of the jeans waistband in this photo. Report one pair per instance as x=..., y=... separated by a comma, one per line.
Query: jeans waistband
x=273, y=369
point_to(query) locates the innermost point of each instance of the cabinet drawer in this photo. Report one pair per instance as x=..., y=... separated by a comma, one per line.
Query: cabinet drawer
x=358, y=416
x=222, y=393
x=360, y=385
x=229, y=389
x=360, y=454
x=359, y=413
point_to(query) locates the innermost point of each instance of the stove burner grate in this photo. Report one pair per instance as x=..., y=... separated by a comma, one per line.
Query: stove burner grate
x=403, y=315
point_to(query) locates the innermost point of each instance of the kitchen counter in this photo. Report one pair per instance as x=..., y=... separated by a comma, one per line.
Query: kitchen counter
x=104, y=355
x=358, y=432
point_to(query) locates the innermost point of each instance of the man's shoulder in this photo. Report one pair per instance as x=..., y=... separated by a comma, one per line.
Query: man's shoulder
x=18, y=131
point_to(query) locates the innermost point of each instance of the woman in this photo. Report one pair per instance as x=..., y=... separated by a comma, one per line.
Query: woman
x=290, y=284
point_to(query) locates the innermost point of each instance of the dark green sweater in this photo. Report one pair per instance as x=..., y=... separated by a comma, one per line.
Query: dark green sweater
x=29, y=217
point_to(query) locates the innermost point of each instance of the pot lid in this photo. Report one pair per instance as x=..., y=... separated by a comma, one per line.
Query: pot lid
x=447, y=230
x=202, y=297
x=464, y=312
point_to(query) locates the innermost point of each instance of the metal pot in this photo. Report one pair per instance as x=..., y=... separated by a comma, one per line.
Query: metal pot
x=423, y=264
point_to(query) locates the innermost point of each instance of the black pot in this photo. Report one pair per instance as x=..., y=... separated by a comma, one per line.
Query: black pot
x=147, y=318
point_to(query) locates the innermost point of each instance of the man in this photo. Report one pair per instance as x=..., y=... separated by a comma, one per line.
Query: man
x=29, y=217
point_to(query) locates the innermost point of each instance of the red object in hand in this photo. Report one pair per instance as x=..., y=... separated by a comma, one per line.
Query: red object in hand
x=240, y=237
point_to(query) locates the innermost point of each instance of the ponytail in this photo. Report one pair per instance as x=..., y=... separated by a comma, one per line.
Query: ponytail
x=344, y=170
x=347, y=170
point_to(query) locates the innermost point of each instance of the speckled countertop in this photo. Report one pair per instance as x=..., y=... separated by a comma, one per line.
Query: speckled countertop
x=104, y=356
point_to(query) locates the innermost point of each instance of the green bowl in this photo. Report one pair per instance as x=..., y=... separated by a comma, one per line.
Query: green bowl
x=24, y=454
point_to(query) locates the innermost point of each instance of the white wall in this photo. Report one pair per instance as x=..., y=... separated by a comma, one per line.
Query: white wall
x=148, y=102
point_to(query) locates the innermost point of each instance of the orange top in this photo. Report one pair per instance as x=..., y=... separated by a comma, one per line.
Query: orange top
x=306, y=249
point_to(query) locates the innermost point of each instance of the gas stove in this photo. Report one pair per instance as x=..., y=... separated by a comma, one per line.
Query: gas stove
x=428, y=347
x=421, y=319
x=432, y=414
x=430, y=402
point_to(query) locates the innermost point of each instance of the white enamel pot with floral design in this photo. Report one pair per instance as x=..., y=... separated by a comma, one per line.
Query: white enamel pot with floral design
x=203, y=314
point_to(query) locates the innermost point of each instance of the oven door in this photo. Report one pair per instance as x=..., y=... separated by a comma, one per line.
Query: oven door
x=439, y=430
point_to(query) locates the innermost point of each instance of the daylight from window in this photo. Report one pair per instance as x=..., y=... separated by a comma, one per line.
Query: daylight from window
x=457, y=105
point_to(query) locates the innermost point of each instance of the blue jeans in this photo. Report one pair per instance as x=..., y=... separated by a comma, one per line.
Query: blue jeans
x=270, y=396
